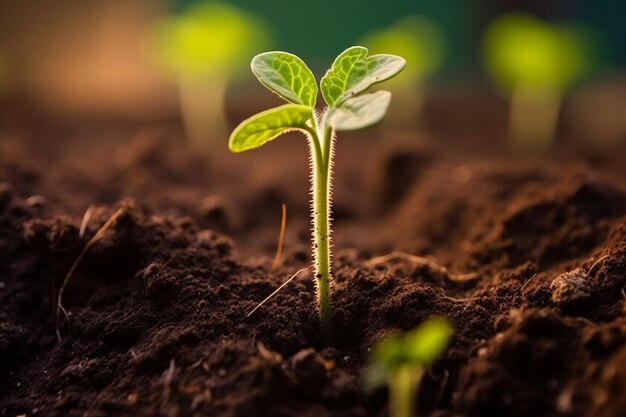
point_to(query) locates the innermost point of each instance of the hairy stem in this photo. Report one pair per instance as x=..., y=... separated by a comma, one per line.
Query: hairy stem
x=321, y=153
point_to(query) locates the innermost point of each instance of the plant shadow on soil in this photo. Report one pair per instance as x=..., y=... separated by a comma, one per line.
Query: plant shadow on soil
x=158, y=306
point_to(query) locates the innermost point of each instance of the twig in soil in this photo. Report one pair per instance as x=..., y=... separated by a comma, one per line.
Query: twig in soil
x=277, y=290
x=527, y=282
x=86, y=219
x=398, y=255
x=596, y=263
x=67, y=278
x=281, y=236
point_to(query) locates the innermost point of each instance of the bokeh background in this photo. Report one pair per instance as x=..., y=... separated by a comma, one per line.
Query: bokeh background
x=72, y=60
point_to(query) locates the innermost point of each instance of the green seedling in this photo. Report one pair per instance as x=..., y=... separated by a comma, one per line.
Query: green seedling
x=401, y=360
x=421, y=42
x=534, y=63
x=202, y=49
x=349, y=108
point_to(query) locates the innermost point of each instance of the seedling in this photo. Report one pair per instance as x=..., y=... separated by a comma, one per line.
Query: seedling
x=535, y=63
x=349, y=108
x=400, y=362
x=202, y=49
x=422, y=43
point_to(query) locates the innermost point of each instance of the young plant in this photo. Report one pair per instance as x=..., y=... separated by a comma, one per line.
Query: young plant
x=202, y=49
x=349, y=108
x=400, y=362
x=535, y=63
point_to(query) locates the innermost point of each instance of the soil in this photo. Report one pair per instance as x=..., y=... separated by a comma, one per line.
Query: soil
x=157, y=307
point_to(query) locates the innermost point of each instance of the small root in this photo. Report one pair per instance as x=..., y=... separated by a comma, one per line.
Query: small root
x=418, y=260
x=95, y=238
x=281, y=237
x=276, y=291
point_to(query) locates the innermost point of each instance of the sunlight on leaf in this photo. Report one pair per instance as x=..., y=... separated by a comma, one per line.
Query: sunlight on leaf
x=286, y=75
x=354, y=72
x=265, y=126
x=359, y=112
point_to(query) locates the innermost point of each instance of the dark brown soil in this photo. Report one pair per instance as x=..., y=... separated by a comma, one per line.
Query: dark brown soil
x=158, y=306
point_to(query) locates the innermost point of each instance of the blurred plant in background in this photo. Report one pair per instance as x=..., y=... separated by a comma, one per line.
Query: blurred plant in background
x=88, y=61
x=422, y=43
x=401, y=360
x=535, y=63
x=202, y=49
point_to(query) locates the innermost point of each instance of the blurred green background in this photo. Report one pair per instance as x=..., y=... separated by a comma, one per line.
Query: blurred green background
x=318, y=30
x=100, y=59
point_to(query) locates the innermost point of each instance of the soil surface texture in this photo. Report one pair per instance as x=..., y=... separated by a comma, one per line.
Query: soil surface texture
x=162, y=252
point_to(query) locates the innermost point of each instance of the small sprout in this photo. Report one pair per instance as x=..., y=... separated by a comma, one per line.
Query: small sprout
x=420, y=41
x=349, y=108
x=535, y=63
x=401, y=360
x=202, y=49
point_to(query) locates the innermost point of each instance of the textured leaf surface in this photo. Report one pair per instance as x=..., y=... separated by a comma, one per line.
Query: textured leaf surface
x=359, y=112
x=354, y=72
x=286, y=75
x=265, y=126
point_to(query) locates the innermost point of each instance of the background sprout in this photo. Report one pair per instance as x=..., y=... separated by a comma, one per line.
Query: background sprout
x=535, y=63
x=349, y=108
x=422, y=43
x=201, y=49
x=400, y=362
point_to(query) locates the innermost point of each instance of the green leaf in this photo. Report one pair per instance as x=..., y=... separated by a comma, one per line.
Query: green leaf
x=286, y=75
x=359, y=112
x=267, y=125
x=418, y=348
x=428, y=341
x=354, y=72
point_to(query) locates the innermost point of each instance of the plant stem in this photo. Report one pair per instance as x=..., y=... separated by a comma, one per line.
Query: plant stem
x=202, y=111
x=321, y=154
x=533, y=119
x=402, y=390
